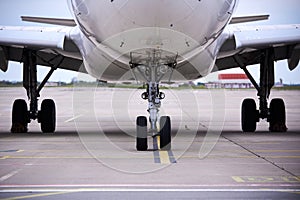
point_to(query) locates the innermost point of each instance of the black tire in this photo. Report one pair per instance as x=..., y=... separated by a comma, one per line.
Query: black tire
x=249, y=115
x=141, y=133
x=277, y=117
x=165, y=133
x=19, y=116
x=48, y=116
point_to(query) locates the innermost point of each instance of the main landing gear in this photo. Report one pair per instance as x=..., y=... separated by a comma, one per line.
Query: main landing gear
x=153, y=69
x=21, y=116
x=275, y=113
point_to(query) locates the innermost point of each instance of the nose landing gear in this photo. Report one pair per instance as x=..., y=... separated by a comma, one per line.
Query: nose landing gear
x=153, y=69
x=154, y=98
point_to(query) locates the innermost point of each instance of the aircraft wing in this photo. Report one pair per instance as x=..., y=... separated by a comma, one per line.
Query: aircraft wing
x=246, y=44
x=53, y=45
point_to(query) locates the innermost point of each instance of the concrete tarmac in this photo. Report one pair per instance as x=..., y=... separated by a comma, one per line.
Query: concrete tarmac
x=92, y=153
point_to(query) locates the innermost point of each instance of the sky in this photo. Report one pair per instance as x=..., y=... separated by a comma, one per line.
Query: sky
x=281, y=12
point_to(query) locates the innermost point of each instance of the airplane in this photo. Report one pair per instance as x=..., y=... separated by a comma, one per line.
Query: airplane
x=157, y=40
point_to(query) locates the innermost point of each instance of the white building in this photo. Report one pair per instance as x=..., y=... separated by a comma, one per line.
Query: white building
x=231, y=81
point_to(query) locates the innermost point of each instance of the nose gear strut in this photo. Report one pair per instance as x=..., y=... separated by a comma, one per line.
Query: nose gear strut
x=154, y=98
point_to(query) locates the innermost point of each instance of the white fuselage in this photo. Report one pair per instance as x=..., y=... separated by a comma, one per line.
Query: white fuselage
x=115, y=32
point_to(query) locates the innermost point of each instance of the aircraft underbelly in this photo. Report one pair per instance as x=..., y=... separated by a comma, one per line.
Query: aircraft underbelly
x=102, y=66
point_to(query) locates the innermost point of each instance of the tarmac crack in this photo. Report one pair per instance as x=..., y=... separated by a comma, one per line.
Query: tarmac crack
x=261, y=157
